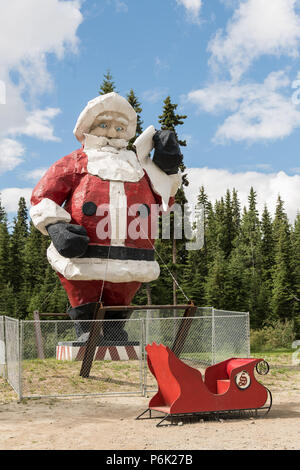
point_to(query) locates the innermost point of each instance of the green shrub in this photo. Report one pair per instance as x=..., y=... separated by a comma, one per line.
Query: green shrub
x=274, y=335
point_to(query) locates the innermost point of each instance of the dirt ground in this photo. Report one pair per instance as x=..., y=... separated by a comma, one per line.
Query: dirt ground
x=109, y=423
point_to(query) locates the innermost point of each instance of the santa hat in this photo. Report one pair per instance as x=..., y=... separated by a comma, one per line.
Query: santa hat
x=108, y=102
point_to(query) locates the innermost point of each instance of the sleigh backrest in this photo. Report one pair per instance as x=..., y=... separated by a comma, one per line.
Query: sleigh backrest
x=159, y=364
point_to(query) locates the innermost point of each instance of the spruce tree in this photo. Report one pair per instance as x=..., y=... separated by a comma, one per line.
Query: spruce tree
x=3, y=215
x=215, y=281
x=169, y=120
x=134, y=102
x=35, y=257
x=267, y=245
x=236, y=212
x=243, y=280
x=5, y=261
x=17, y=247
x=6, y=291
x=195, y=268
x=267, y=261
x=296, y=272
x=228, y=224
x=108, y=85
x=282, y=276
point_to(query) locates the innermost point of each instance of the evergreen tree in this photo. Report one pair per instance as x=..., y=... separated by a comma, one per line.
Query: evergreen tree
x=282, y=276
x=228, y=224
x=3, y=215
x=296, y=272
x=236, y=213
x=267, y=245
x=6, y=291
x=195, y=269
x=108, y=85
x=243, y=280
x=134, y=102
x=35, y=257
x=5, y=261
x=215, y=281
x=267, y=261
x=17, y=246
x=169, y=120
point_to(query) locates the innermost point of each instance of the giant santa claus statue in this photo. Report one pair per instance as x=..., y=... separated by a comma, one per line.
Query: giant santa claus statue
x=84, y=203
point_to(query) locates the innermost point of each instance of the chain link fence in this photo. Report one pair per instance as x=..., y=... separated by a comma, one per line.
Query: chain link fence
x=53, y=352
x=12, y=353
x=204, y=340
x=2, y=349
x=47, y=358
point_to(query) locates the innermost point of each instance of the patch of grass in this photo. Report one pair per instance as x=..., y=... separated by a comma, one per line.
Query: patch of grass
x=52, y=377
x=7, y=394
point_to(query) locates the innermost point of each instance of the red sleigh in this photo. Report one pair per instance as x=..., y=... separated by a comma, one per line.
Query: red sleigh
x=228, y=386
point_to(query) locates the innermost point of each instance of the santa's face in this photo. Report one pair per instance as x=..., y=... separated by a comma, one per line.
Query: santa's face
x=110, y=124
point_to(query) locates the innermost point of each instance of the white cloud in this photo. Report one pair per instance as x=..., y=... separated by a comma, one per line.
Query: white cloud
x=29, y=31
x=155, y=95
x=121, y=7
x=258, y=27
x=254, y=111
x=10, y=198
x=11, y=152
x=258, y=111
x=268, y=187
x=31, y=28
x=35, y=175
x=193, y=8
x=37, y=124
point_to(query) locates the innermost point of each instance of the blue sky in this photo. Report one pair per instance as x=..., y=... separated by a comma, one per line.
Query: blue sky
x=231, y=65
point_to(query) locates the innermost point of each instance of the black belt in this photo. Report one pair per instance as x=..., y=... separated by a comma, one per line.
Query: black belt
x=118, y=252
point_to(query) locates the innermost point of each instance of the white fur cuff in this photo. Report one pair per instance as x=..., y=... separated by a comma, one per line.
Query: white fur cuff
x=47, y=212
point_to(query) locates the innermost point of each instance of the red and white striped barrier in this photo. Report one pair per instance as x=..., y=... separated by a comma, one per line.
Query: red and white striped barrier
x=103, y=353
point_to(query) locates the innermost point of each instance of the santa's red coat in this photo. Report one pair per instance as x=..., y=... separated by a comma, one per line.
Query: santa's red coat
x=68, y=183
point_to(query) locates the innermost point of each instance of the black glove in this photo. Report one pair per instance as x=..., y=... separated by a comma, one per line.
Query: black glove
x=167, y=153
x=70, y=240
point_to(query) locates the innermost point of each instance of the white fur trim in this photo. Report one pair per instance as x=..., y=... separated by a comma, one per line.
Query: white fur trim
x=118, y=212
x=88, y=269
x=111, y=102
x=144, y=143
x=47, y=212
x=164, y=185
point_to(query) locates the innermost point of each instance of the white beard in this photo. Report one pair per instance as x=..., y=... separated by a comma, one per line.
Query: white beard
x=110, y=160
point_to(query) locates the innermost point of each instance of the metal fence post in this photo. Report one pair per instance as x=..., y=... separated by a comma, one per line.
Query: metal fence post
x=248, y=334
x=3, y=364
x=144, y=354
x=141, y=358
x=20, y=337
x=5, y=350
x=213, y=335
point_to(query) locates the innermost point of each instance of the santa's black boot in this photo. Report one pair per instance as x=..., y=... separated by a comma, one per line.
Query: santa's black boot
x=114, y=330
x=84, y=312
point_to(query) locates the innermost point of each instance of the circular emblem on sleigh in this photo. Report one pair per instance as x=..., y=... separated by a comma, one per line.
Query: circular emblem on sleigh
x=242, y=380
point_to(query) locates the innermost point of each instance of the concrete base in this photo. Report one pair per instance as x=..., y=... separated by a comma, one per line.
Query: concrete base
x=71, y=352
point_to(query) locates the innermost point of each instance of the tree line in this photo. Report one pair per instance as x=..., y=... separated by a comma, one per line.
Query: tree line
x=248, y=262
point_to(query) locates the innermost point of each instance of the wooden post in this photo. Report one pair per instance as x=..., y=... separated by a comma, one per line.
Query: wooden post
x=38, y=335
x=183, y=329
x=91, y=343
